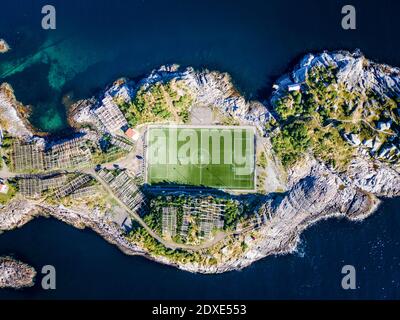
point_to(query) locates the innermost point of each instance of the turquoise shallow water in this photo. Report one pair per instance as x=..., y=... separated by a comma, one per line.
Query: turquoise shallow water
x=255, y=41
x=95, y=43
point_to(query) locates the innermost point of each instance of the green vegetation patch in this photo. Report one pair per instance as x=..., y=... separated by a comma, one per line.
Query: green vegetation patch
x=159, y=102
x=291, y=142
x=320, y=117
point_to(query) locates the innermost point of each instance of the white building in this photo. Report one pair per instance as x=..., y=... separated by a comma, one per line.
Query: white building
x=294, y=87
x=3, y=188
x=383, y=126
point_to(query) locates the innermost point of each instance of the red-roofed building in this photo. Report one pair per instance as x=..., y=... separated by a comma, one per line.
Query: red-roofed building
x=132, y=134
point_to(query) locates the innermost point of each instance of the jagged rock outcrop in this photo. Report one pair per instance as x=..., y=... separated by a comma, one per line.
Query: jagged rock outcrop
x=373, y=177
x=362, y=206
x=355, y=71
x=15, y=274
x=305, y=197
x=10, y=118
x=214, y=88
x=207, y=88
x=16, y=213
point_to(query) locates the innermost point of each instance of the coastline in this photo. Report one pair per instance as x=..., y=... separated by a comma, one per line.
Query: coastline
x=15, y=114
x=15, y=274
x=313, y=186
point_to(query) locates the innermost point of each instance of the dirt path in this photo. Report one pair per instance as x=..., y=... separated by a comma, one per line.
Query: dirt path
x=126, y=161
x=172, y=245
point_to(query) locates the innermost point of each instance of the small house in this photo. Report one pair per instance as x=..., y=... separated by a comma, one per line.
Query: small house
x=294, y=87
x=132, y=134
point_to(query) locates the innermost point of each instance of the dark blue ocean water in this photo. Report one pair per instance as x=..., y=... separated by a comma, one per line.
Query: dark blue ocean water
x=255, y=41
x=88, y=267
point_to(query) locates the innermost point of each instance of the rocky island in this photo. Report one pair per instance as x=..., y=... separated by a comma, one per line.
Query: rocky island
x=140, y=171
x=15, y=274
x=4, y=47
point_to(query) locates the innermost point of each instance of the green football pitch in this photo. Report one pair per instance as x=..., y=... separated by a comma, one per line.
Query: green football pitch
x=217, y=157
